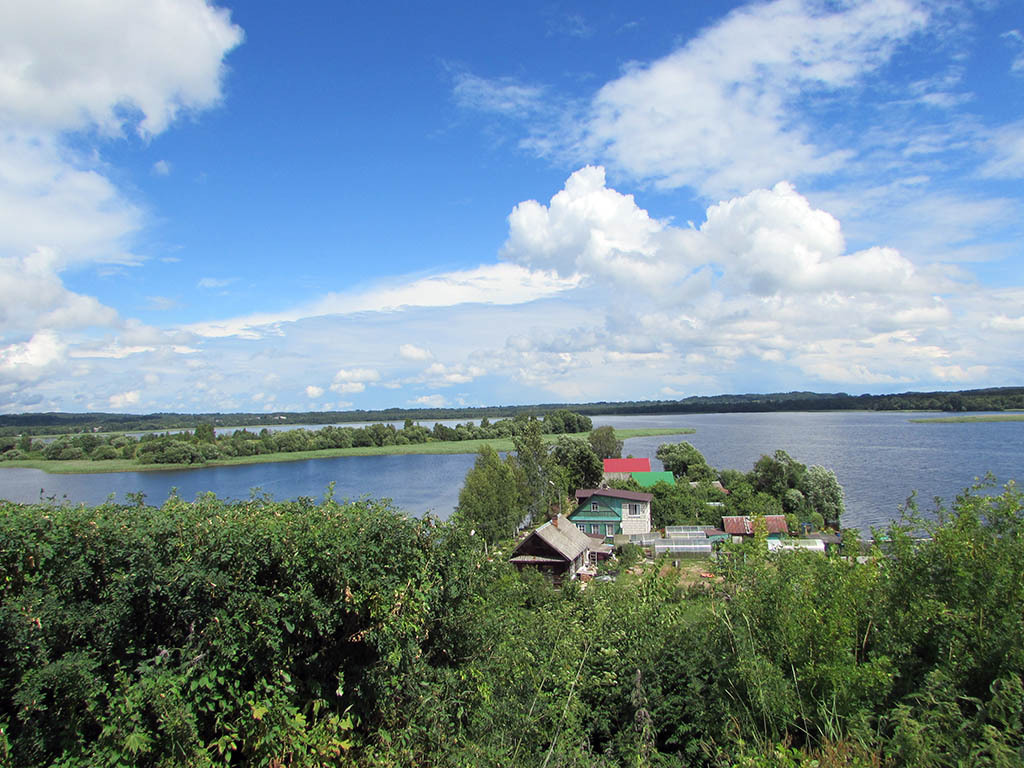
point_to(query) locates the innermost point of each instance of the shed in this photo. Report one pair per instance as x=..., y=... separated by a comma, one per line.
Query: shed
x=717, y=536
x=557, y=548
x=743, y=525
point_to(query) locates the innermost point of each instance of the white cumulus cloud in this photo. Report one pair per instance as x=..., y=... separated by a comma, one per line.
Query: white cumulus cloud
x=588, y=228
x=430, y=401
x=124, y=399
x=352, y=380
x=69, y=65
x=29, y=360
x=717, y=114
x=412, y=352
x=102, y=68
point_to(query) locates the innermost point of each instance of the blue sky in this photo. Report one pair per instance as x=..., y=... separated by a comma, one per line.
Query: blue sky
x=266, y=206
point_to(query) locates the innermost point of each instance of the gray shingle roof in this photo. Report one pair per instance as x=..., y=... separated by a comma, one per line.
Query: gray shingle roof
x=565, y=538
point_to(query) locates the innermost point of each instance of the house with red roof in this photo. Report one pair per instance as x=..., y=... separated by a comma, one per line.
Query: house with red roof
x=622, y=469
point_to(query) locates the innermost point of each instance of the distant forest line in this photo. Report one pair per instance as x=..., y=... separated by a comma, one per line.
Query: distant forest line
x=991, y=399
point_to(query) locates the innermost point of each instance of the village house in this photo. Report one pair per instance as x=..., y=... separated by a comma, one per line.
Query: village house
x=609, y=512
x=649, y=479
x=621, y=469
x=557, y=548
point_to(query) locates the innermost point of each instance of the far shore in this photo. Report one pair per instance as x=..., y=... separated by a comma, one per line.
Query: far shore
x=966, y=419
x=89, y=467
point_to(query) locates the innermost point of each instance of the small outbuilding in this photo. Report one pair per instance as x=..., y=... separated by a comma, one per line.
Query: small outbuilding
x=557, y=548
x=743, y=525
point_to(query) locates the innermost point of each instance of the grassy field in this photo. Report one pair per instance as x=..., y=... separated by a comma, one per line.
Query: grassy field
x=86, y=466
x=966, y=419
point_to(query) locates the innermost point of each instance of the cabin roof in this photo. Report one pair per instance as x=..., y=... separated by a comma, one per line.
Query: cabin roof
x=560, y=535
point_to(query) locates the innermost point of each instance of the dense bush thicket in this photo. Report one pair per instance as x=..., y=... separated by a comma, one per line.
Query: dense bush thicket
x=203, y=444
x=260, y=633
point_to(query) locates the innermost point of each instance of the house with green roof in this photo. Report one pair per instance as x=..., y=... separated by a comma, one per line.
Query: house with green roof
x=648, y=479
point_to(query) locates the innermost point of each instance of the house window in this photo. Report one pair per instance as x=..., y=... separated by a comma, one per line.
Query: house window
x=594, y=506
x=634, y=510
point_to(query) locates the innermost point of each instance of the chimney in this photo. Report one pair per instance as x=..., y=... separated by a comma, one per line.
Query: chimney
x=554, y=520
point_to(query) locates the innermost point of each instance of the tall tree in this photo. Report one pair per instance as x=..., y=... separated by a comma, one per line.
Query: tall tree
x=604, y=443
x=823, y=492
x=490, y=499
x=531, y=460
x=684, y=461
x=583, y=467
x=776, y=474
x=204, y=433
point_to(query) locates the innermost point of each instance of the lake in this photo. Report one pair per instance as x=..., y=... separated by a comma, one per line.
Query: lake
x=879, y=458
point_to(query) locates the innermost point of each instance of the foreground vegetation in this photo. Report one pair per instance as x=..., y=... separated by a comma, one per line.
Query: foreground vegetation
x=314, y=633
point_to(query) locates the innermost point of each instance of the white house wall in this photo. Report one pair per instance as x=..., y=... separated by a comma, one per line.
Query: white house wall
x=636, y=524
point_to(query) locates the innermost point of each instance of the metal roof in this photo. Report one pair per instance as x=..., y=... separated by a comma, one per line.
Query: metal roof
x=614, y=493
x=647, y=479
x=627, y=465
x=741, y=525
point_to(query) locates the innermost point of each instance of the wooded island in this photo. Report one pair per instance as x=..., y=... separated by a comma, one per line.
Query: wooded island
x=91, y=452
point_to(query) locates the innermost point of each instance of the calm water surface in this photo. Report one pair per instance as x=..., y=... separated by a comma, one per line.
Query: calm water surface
x=879, y=458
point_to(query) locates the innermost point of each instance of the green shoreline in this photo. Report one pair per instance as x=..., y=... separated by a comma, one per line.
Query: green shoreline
x=89, y=467
x=997, y=417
